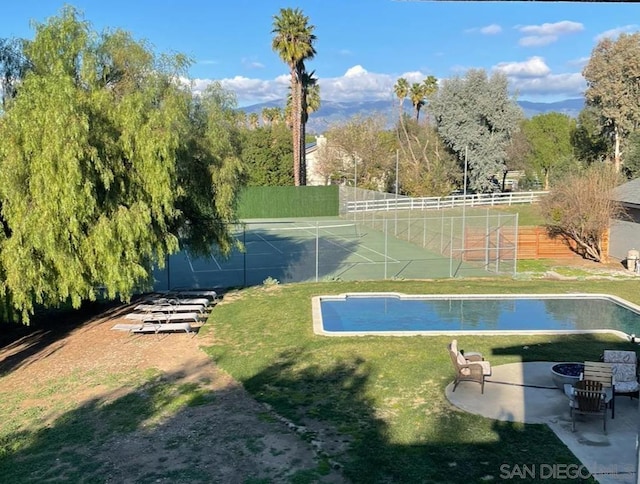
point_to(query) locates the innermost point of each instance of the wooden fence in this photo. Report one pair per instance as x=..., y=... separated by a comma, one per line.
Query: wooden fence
x=532, y=243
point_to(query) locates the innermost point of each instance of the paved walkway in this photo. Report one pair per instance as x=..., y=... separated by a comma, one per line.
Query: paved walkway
x=524, y=392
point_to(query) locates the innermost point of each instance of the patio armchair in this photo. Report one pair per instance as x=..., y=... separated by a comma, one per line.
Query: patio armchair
x=588, y=399
x=469, y=366
x=624, y=365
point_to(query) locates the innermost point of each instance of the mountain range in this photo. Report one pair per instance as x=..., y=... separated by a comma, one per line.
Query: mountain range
x=335, y=112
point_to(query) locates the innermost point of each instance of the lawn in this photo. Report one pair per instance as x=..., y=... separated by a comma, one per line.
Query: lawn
x=377, y=404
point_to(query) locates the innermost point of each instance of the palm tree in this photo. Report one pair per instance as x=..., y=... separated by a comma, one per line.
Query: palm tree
x=310, y=102
x=416, y=94
x=293, y=41
x=254, y=120
x=420, y=92
x=401, y=89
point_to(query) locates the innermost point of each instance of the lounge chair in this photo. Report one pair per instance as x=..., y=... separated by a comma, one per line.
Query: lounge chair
x=163, y=317
x=588, y=399
x=163, y=328
x=178, y=301
x=601, y=372
x=169, y=308
x=624, y=365
x=468, y=366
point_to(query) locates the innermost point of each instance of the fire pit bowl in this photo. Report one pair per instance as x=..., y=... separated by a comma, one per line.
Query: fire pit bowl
x=563, y=373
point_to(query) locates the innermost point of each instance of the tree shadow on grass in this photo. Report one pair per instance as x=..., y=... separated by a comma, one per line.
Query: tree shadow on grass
x=442, y=444
x=169, y=429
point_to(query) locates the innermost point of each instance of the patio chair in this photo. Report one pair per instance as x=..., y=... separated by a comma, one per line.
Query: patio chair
x=469, y=366
x=624, y=365
x=588, y=399
x=603, y=373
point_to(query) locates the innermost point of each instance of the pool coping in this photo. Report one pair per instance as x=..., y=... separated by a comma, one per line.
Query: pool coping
x=318, y=327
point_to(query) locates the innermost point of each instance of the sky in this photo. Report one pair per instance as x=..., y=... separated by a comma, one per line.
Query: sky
x=363, y=46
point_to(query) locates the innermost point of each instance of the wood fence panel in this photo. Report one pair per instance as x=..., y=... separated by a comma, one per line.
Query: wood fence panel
x=533, y=243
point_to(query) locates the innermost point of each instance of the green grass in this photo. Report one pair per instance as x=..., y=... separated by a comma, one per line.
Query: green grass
x=385, y=395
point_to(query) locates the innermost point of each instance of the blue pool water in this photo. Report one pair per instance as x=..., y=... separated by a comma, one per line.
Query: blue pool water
x=364, y=314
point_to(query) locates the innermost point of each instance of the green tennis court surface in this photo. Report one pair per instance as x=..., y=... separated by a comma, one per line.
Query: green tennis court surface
x=300, y=250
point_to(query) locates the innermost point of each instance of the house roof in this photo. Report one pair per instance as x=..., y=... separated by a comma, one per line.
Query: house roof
x=628, y=193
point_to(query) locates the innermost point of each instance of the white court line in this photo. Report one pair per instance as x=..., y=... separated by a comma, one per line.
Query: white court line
x=193, y=271
x=267, y=242
x=390, y=259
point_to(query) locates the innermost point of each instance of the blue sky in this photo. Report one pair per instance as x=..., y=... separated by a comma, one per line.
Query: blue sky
x=363, y=46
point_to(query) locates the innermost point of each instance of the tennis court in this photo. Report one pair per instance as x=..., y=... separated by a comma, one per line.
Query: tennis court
x=305, y=250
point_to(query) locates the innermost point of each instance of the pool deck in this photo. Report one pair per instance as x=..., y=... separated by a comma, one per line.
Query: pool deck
x=525, y=392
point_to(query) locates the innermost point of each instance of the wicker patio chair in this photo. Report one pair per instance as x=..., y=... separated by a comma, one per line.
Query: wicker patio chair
x=468, y=367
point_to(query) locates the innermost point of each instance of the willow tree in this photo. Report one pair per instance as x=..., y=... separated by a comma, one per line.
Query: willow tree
x=293, y=41
x=90, y=183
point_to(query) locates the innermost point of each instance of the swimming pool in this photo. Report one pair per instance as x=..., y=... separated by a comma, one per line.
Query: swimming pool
x=399, y=314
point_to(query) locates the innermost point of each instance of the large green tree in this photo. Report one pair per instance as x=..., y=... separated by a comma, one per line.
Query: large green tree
x=549, y=137
x=613, y=88
x=266, y=152
x=476, y=117
x=590, y=141
x=96, y=168
x=293, y=41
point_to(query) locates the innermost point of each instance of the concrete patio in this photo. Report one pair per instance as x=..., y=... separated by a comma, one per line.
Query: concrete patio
x=525, y=392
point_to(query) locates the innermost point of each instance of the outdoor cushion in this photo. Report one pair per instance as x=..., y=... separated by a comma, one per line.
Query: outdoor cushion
x=618, y=356
x=623, y=373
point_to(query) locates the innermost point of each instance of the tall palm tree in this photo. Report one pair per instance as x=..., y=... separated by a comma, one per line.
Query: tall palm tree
x=293, y=41
x=310, y=102
x=254, y=120
x=416, y=94
x=420, y=92
x=401, y=89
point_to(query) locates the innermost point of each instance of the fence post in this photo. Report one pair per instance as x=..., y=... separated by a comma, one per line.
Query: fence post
x=317, y=248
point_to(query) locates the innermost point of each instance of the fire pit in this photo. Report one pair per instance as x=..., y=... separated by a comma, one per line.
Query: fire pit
x=563, y=373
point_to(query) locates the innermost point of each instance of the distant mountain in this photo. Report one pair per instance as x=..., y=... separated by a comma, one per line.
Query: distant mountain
x=332, y=112
x=570, y=107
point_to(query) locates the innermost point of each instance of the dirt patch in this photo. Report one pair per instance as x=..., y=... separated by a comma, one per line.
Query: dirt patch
x=229, y=438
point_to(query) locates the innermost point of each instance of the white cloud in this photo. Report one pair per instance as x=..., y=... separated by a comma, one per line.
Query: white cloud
x=557, y=28
x=537, y=40
x=492, y=29
x=252, y=64
x=581, y=62
x=558, y=86
x=530, y=79
x=614, y=33
x=532, y=67
x=547, y=33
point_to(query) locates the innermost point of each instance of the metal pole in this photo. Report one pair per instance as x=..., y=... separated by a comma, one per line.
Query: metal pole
x=317, y=249
x=386, y=236
x=396, y=214
x=464, y=204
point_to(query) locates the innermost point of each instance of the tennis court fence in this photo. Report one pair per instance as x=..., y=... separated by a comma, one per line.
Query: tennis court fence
x=382, y=246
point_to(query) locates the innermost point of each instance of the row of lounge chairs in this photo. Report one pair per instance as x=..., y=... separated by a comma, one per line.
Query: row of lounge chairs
x=170, y=312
